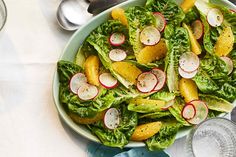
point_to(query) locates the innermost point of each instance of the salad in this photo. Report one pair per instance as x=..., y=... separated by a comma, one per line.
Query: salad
x=151, y=70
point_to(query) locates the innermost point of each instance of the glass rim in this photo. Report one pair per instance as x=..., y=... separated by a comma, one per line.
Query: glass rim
x=4, y=16
x=192, y=133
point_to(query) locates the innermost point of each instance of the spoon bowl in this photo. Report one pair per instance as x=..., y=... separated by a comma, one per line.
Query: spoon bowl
x=71, y=14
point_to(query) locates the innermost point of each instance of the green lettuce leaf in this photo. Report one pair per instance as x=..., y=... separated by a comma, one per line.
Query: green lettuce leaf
x=191, y=15
x=120, y=136
x=129, y=121
x=144, y=108
x=177, y=44
x=217, y=104
x=214, y=67
x=66, y=70
x=138, y=18
x=176, y=110
x=204, y=83
x=163, y=95
x=171, y=11
x=227, y=91
x=99, y=40
x=165, y=137
x=156, y=115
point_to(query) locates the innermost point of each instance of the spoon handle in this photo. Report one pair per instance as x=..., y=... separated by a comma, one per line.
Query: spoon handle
x=97, y=6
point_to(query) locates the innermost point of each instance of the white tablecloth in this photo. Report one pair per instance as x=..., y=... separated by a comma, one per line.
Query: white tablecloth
x=30, y=46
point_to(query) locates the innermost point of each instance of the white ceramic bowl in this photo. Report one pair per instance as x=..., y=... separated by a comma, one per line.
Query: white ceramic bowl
x=71, y=50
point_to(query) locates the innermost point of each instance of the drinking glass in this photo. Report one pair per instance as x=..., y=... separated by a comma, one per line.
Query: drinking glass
x=3, y=14
x=214, y=137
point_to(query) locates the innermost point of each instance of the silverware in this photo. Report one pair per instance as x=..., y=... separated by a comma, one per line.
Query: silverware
x=71, y=14
x=97, y=6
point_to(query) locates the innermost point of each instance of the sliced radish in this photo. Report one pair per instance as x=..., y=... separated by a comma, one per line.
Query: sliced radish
x=107, y=80
x=201, y=112
x=146, y=82
x=168, y=104
x=215, y=17
x=198, y=29
x=232, y=10
x=112, y=118
x=117, y=55
x=117, y=39
x=150, y=36
x=87, y=92
x=229, y=64
x=188, y=112
x=161, y=77
x=77, y=81
x=189, y=62
x=160, y=21
x=187, y=75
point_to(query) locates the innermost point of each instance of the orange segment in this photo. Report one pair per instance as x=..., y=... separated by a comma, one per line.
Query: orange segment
x=151, y=53
x=119, y=14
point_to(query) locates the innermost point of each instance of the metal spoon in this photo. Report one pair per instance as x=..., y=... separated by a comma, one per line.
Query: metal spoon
x=97, y=6
x=71, y=14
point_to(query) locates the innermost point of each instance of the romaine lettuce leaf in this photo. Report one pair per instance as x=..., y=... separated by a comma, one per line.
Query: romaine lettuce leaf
x=177, y=44
x=144, y=108
x=165, y=137
x=138, y=18
x=171, y=11
x=210, y=33
x=216, y=103
x=120, y=136
x=214, y=67
x=129, y=121
x=176, y=110
x=156, y=115
x=99, y=40
x=191, y=15
x=227, y=91
x=110, y=138
x=163, y=95
x=66, y=70
x=204, y=83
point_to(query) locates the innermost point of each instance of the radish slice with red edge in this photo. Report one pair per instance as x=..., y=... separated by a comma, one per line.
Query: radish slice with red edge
x=198, y=29
x=107, y=80
x=150, y=36
x=189, y=62
x=77, y=81
x=188, y=111
x=111, y=118
x=87, y=92
x=117, y=39
x=229, y=64
x=215, y=17
x=168, y=104
x=160, y=21
x=117, y=55
x=187, y=75
x=161, y=77
x=201, y=112
x=146, y=82
x=232, y=10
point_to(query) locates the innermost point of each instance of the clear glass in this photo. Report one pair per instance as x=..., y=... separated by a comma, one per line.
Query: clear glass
x=214, y=137
x=3, y=14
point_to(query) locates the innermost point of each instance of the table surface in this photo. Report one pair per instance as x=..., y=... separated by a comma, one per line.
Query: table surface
x=30, y=45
